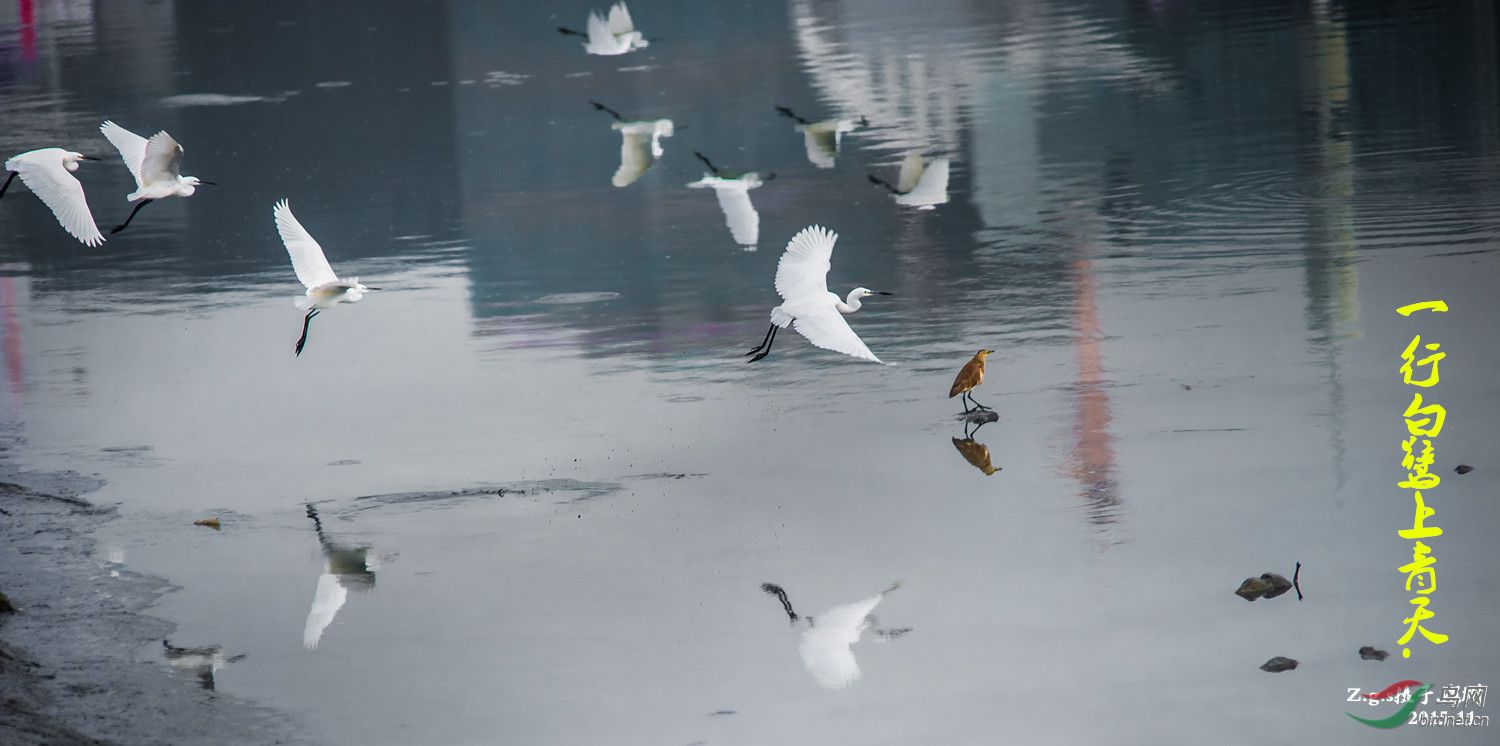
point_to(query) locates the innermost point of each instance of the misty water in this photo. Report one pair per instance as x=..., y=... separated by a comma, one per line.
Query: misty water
x=547, y=485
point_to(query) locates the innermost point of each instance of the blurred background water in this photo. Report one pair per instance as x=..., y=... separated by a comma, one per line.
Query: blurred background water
x=547, y=486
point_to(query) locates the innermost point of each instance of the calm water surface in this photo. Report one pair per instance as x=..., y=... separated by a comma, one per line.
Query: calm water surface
x=547, y=486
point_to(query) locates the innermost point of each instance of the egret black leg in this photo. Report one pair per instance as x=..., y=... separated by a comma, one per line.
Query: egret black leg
x=882, y=182
x=302, y=340
x=571, y=32
x=977, y=404
x=8, y=180
x=607, y=110
x=963, y=398
x=711, y=167
x=763, y=341
x=769, y=343
x=780, y=595
x=137, y=209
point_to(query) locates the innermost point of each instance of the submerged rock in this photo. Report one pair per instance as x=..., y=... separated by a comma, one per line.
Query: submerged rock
x=5, y=606
x=1371, y=654
x=1268, y=585
x=1463, y=469
x=1278, y=664
x=981, y=416
x=212, y=523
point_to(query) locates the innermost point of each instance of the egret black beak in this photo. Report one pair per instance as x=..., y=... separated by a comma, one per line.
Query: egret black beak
x=769, y=176
x=88, y=158
x=209, y=183
x=367, y=287
x=882, y=292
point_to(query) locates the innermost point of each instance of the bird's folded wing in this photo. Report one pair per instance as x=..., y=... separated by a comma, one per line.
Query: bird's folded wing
x=162, y=159
x=821, y=147
x=743, y=220
x=803, y=270
x=63, y=194
x=826, y=328
x=307, y=256
x=132, y=147
x=619, y=20
x=911, y=173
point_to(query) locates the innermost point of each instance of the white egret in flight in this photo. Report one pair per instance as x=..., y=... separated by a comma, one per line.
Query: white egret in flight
x=802, y=281
x=324, y=288
x=617, y=35
x=348, y=567
x=156, y=165
x=48, y=173
x=821, y=139
x=919, y=187
x=733, y=190
x=640, y=144
x=826, y=643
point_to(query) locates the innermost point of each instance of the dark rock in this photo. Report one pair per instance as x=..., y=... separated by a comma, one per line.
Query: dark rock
x=1371, y=654
x=1268, y=585
x=1279, y=584
x=5, y=606
x=1463, y=469
x=1278, y=664
x=981, y=416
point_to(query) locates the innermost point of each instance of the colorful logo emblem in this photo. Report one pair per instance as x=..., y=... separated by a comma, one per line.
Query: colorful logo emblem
x=1402, y=715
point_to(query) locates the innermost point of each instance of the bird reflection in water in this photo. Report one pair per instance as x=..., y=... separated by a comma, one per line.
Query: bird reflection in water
x=200, y=662
x=733, y=190
x=822, y=138
x=348, y=568
x=640, y=144
x=921, y=186
x=826, y=643
x=976, y=453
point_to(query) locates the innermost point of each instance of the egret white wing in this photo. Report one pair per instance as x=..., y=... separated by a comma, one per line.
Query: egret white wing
x=327, y=600
x=825, y=327
x=50, y=181
x=743, y=220
x=803, y=270
x=911, y=173
x=162, y=159
x=932, y=188
x=132, y=147
x=821, y=145
x=601, y=41
x=307, y=256
x=619, y=20
x=635, y=157
x=826, y=655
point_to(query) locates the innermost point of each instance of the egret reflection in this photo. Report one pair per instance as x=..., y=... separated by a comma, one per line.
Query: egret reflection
x=976, y=453
x=826, y=646
x=348, y=568
x=610, y=36
x=202, y=662
x=640, y=144
x=821, y=138
x=733, y=190
x=919, y=185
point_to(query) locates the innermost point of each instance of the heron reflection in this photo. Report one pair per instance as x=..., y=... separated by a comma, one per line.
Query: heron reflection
x=826, y=646
x=640, y=144
x=976, y=453
x=348, y=568
x=733, y=190
x=200, y=662
x=821, y=138
x=920, y=185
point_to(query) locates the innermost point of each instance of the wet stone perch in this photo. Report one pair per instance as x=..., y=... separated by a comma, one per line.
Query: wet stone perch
x=1268, y=585
x=1463, y=468
x=1278, y=664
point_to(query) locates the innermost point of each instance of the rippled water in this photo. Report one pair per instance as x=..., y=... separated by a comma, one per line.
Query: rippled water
x=548, y=489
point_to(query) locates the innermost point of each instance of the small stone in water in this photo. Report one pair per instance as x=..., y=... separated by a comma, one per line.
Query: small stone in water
x=1464, y=469
x=1371, y=654
x=1279, y=584
x=212, y=523
x=980, y=416
x=1278, y=664
x=5, y=606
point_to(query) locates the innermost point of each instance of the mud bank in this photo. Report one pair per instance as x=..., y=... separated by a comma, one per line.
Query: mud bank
x=75, y=658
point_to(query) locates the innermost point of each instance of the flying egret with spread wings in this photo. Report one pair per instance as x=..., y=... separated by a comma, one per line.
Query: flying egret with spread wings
x=640, y=144
x=733, y=190
x=324, y=288
x=616, y=35
x=821, y=139
x=48, y=172
x=826, y=643
x=917, y=186
x=156, y=165
x=802, y=281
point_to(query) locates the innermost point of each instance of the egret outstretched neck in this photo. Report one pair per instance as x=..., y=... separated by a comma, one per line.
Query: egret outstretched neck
x=851, y=303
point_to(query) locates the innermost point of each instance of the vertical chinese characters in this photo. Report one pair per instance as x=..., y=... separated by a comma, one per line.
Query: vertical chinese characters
x=1424, y=421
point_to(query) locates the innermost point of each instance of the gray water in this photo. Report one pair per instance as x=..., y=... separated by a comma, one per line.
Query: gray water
x=549, y=486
